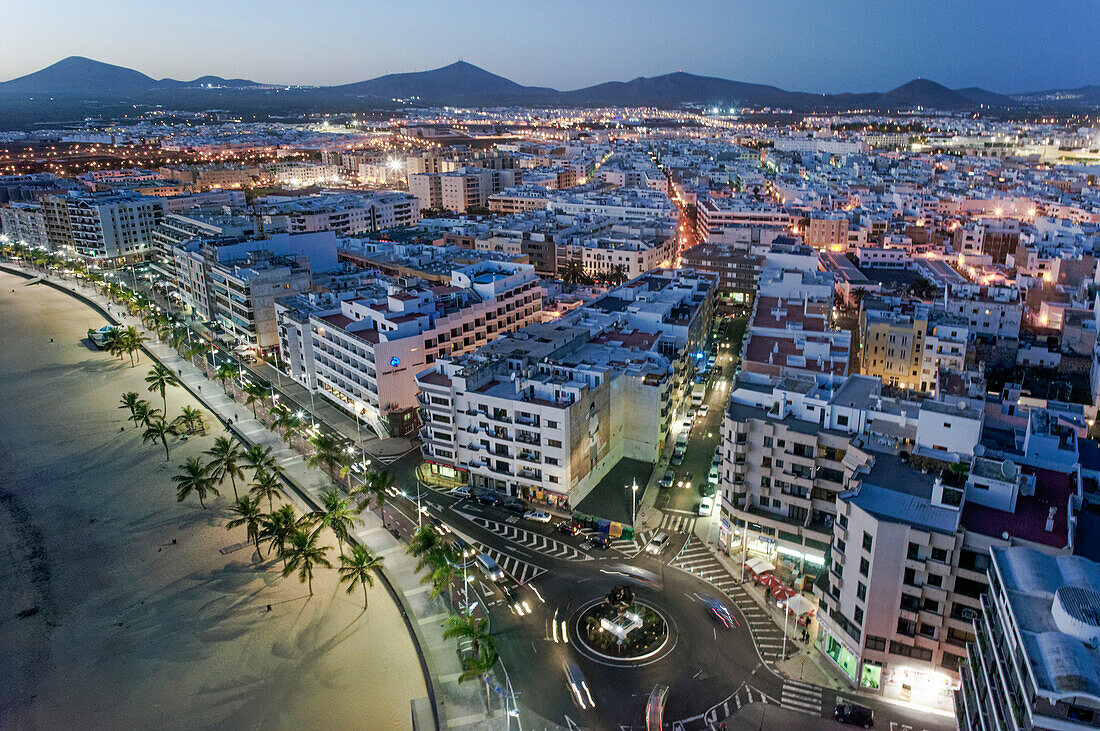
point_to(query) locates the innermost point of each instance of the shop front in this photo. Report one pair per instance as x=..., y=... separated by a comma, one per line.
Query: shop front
x=920, y=685
x=841, y=655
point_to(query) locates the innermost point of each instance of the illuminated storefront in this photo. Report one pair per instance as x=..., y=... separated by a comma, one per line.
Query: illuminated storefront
x=838, y=652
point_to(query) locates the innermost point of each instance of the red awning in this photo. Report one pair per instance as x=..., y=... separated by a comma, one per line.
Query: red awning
x=769, y=580
x=782, y=593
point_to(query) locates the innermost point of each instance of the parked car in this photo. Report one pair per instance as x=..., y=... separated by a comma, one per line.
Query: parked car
x=706, y=506
x=463, y=491
x=678, y=457
x=712, y=476
x=514, y=504
x=666, y=481
x=601, y=540
x=657, y=543
x=856, y=715
x=539, y=516
x=703, y=410
x=487, y=497
x=569, y=527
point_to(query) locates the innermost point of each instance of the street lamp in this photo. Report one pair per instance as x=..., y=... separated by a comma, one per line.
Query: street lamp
x=633, y=503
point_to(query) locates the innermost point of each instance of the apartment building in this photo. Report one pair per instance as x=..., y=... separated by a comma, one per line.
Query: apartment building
x=24, y=223
x=715, y=214
x=1034, y=661
x=736, y=268
x=302, y=174
x=546, y=412
x=627, y=204
x=345, y=213
x=461, y=189
x=906, y=343
x=636, y=247
x=102, y=226
x=992, y=311
x=827, y=231
x=520, y=199
x=178, y=228
x=794, y=336
x=910, y=550
x=235, y=280
x=363, y=352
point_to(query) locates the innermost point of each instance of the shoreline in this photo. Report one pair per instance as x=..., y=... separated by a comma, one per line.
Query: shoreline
x=119, y=523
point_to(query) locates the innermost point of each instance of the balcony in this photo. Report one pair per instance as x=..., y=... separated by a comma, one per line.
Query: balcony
x=530, y=456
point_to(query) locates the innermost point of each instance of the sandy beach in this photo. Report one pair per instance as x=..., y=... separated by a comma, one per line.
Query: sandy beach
x=132, y=617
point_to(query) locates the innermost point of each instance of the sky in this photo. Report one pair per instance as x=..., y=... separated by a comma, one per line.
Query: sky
x=806, y=45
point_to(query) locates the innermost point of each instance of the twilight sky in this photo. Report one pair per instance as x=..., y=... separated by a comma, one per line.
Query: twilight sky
x=806, y=45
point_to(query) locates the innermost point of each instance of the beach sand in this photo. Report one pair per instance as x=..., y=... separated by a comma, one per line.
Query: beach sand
x=139, y=620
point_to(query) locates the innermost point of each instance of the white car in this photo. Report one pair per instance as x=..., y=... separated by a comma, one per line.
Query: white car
x=657, y=544
x=704, y=409
x=539, y=516
x=463, y=491
x=712, y=478
x=706, y=505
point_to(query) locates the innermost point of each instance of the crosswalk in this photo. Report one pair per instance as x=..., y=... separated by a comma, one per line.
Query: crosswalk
x=633, y=546
x=699, y=560
x=745, y=695
x=677, y=522
x=521, y=571
x=802, y=697
x=529, y=539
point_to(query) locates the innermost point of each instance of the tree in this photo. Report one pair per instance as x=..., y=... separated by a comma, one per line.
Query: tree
x=328, y=452
x=573, y=272
x=198, y=348
x=265, y=484
x=303, y=553
x=276, y=527
x=226, y=462
x=476, y=630
x=192, y=419
x=132, y=342
x=156, y=430
x=159, y=379
x=144, y=412
x=476, y=665
x=337, y=513
x=225, y=372
x=254, y=392
x=290, y=423
x=618, y=274
x=259, y=458
x=423, y=545
x=360, y=566
x=375, y=484
x=249, y=515
x=130, y=400
x=194, y=478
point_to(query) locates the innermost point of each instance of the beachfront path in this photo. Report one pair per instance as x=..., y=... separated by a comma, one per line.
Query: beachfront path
x=139, y=620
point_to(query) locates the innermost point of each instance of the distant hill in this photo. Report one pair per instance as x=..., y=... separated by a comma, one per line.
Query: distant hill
x=454, y=83
x=80, y=76
x=83, y=81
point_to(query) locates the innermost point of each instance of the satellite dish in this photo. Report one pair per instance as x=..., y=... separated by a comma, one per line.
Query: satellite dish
x=1008, y=469
x=962, y=405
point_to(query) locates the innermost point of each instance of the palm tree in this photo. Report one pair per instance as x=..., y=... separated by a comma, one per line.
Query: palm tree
x=618, y=274
x=476, y=630
x=327, y=452
x=259, y=458
x=199, y=348
x=130, y=400
x=132, y=342
x=195, y=477
x=276, y=529
x=115, y=343
x=423, y=545
x=225, y=372
x=443, y=562
x=254, y=392
x=360, y=567
x=144, y=412
x=290, y=423
x=227, y=456
x=156, y=430
x=192, y=418
x=376, y=484
x=159, y=379
x=249, y=515
x=303, y=554
x=266, y=484
x=476, y=665
x=337, y=513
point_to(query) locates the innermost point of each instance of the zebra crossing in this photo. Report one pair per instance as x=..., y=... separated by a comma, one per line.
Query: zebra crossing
x=529, y=539
x=521, y=571
x=745, y=695
x=699, y=560
x=802, y=697
x=633, y=546
x=677, y=523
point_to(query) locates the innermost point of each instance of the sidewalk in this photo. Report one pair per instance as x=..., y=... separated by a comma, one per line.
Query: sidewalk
x=455, y=705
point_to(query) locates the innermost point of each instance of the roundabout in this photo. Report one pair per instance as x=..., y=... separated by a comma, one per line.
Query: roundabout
x=622, y=630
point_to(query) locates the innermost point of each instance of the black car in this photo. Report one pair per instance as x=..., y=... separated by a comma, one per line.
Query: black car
x=569, y=527
x=601, y=540
x=488, y=498
x=515, y=505
x=855, y=715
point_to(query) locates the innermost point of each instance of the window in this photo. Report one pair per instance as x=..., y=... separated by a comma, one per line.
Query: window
x=934, y=580
x=939, y=554
x=910, y=577
x=906, y=627
x=858, y=616
x=876, y=643
x=913, y=553
x=841, y=545
x=861, y=591
x=767, y=441
x=553, y=443
x=843, y=520
x=552, y=424
x=765, y=502
x=866, y=541
x=910, y=603
x=842, y=420
x=864, y=566
x=931, y=605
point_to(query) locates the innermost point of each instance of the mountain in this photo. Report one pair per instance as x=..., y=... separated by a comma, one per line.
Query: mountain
x=987, y=98
x=679, y=88
x=79, y=75
x=923, y=93
x=1080, y=97
x=454, y=83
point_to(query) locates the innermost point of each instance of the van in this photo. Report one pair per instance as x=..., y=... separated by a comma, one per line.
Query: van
x=489, y=567
x=657, y=544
